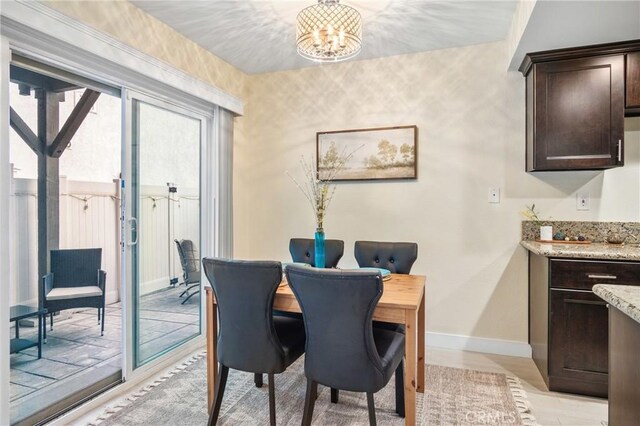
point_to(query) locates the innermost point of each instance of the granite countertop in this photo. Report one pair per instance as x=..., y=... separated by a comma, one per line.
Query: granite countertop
x=584, y=251
x=626, y=298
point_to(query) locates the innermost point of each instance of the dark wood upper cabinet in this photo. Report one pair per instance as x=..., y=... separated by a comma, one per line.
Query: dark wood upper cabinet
x=632, y=102
x=577, y=114
x=576, y=104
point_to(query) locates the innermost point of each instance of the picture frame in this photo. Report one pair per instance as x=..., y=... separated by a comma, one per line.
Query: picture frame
x=382, y=153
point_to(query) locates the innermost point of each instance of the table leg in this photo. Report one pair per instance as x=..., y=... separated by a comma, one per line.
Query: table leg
x=17, y=329
x=421, y=336
x=411, y=338
x=212, y=356
x=39, y=336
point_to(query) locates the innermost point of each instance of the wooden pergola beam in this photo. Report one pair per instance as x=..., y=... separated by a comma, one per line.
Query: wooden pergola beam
x=24, y=131
x=39, y=81
x=75, y=119
x=48, y=182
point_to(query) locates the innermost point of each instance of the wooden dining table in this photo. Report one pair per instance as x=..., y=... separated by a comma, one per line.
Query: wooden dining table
x=402, y=302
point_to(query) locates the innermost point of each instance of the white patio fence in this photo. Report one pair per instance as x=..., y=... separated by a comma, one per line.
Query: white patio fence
x=89, y=217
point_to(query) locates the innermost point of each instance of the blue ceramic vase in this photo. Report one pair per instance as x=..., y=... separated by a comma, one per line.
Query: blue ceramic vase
x=319, y=248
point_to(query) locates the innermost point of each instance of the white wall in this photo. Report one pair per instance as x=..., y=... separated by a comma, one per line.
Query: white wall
x=470, y=114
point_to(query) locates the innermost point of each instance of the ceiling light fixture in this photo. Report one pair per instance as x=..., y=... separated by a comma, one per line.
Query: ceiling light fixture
x=329, y=32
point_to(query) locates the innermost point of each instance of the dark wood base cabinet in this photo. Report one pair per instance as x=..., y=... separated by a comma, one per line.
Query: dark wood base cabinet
x=624, y=369
x=568, y=323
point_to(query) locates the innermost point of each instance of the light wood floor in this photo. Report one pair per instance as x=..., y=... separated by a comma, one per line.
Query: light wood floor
x=549, y=408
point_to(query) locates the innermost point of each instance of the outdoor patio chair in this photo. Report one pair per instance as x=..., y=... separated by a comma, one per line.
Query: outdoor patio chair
x=190, y=261
x=75, y=281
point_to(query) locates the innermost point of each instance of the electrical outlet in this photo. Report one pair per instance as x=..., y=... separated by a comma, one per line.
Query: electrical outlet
x=494, y=195
x=583, y=201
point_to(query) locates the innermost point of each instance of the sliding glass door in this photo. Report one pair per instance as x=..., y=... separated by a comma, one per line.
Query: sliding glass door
x=162, y=226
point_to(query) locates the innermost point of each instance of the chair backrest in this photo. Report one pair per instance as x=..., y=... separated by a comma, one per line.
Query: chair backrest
x=337, y=307
x=190, y=261
x=244, y=293
x=76, y=267
x=396, y=257
x=303, y=250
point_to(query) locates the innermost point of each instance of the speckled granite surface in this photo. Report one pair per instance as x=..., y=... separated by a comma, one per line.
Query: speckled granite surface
x=584, y=251
x=624, y=297
x=594, y=231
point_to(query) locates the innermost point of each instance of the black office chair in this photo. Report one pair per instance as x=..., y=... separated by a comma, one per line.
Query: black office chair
x=251, y=338
x=396, y=257
x=343, y=350
x=190, y=262
x=303, y=250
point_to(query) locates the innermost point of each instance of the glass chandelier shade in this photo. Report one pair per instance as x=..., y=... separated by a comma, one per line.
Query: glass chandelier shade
x=329, y=32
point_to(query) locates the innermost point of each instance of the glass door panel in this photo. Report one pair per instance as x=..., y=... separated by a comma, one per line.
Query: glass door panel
x=165, y=228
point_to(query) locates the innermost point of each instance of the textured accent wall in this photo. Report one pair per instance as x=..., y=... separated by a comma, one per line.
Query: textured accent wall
x=127, y=23
x=470, y=113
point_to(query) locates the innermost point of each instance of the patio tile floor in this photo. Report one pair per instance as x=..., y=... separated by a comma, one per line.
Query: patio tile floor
x=75, y=345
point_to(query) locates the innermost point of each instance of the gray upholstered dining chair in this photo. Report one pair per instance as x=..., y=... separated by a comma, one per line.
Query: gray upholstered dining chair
x=303, y=250
x=76, y=280
x=396, y=257
x=250, y=338
x=343, y=350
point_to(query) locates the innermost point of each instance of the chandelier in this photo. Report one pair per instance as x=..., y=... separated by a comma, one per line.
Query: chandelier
x=329, y=32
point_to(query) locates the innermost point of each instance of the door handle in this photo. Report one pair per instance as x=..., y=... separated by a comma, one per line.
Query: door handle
x=133, y=221
x=619, y=150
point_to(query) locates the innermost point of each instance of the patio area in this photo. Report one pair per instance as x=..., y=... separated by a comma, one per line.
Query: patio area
x=75, y=348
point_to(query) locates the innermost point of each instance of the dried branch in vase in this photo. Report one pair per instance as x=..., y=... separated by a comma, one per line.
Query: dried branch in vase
x=318, y=192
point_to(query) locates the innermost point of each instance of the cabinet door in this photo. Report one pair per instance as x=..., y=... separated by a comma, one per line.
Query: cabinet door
x=578, y=341
x=633, y=82
x=579, y=114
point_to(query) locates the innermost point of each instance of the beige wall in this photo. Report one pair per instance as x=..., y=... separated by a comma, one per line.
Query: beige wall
x=470, y=114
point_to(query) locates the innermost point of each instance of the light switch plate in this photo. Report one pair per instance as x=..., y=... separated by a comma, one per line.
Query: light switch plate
x=494, y=195
x=583, y=201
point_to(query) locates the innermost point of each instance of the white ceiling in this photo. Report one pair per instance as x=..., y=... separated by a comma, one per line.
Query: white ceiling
x=258, y=36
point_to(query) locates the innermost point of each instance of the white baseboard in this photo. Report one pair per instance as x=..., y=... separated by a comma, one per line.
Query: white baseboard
x=478, y=344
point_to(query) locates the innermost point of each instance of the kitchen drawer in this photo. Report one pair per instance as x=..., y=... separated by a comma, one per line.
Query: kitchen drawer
x=584, y=274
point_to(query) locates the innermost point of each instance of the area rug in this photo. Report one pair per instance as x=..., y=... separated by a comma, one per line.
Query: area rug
x=452, y=397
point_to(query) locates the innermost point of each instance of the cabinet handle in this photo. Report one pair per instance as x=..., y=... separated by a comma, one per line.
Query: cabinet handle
x=619, y=150
x=602, y=277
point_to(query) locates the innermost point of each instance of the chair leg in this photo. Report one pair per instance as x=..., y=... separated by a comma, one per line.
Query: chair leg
x=258, y=380
x=44, y=327
x=309, y=402
x=102, y=329
x=98, y=316
x=190, y=296
x=51, y=318
x=400, y=389
x=372, y=409
x=334, y=395
x=272, y=400
x=217, y=403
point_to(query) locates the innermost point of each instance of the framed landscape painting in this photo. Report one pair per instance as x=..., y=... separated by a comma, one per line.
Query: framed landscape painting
x=371, y=154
